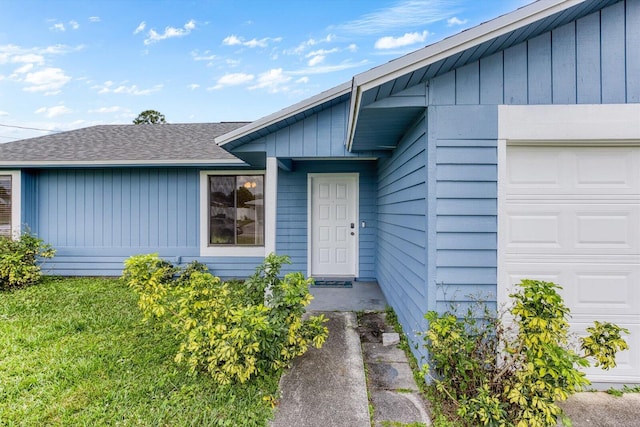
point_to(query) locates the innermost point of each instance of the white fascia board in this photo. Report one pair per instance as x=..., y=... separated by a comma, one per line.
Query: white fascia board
x=448, y=47
x=82, y=163
x=285, y=113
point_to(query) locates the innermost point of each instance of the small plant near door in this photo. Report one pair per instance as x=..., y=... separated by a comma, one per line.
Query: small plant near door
x=234, y=331
x=488, y=372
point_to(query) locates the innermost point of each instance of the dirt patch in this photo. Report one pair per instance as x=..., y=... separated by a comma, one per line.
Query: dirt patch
x=371, y=326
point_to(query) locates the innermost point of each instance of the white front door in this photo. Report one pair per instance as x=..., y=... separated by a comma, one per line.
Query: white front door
x=333, y=225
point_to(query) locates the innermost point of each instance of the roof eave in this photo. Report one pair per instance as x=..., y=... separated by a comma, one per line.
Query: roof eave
x=120, y=163
x=447, y=47
x=278, y=116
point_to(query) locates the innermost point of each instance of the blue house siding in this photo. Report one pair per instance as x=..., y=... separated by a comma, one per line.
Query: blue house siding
x=592, y=60
x=29, y=196
x=464, y=170
x=453, y=259
x=292, y=221
x=401, y=267
x=96, y=218
x=322, y=134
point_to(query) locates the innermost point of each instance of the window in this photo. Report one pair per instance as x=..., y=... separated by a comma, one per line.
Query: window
x=236, y=210
x=5, y=206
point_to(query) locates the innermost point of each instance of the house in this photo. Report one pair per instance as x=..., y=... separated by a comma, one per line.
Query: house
x=508, y=151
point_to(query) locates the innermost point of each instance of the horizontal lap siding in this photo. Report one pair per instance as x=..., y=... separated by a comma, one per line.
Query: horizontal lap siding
x=402, y=225
x=464, y=257
x=291, y=226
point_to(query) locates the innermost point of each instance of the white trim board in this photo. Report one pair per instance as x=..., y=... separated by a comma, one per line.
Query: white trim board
x=16, y=200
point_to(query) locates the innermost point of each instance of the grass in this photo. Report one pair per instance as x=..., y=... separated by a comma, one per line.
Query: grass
x=74, y=352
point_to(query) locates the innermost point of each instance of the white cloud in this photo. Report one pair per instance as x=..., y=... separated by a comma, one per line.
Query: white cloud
x=74, y=24
x=352, y=47
x=58, y=27
x=140, y=28
x=24, y=69
x=109, y=110
x=404, y=14
x=232, y=62
x=405, y=40
x=30, y=58
x=233, y=79
x=456, y=21
x=204, y=56
x=49, y=80
x=329, y=68
x=316, y=60
x=322, y=52
x=52, y=112
x=234, y=40
x=304, y=79
x=231, y=40
x=122, y=88
x=3, y=113
x=308, y=43
x=169, y=32
x=94, y=19
x=193, y=86
x=273, y=80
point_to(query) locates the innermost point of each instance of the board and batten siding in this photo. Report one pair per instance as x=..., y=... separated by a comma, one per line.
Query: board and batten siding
x=321, y=135
x=96, y=218
x=292, y=220
x=594, y=60
x=401, y=262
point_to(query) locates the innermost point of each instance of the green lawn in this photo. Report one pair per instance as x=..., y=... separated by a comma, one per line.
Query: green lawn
x=74, y=352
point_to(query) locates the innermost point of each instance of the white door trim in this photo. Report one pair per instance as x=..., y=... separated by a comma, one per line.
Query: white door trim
x=356, y=201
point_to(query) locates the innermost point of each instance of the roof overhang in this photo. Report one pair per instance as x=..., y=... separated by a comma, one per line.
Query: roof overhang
x=120, y=163
x=450, y=46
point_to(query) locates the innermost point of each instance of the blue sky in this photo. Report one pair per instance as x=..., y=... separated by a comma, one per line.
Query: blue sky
x=69, y=64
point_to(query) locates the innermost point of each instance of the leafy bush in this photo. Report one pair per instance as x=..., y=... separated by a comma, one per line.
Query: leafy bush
x=231, y=330
x=19, y=260
x=491, y=373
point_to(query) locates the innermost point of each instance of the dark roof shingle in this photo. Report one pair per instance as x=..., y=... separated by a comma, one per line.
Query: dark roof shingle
x=181, y=143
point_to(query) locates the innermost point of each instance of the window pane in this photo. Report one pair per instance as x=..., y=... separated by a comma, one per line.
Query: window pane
x=5, y=205
x=222, y=210
x=236, y=209
x=250, y=211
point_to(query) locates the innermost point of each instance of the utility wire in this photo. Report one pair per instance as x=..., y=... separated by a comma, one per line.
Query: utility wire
x=29, y=128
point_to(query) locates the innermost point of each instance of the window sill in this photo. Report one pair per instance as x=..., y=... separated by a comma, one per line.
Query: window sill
x=233, y=251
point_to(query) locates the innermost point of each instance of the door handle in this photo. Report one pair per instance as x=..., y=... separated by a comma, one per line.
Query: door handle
x=353, y=225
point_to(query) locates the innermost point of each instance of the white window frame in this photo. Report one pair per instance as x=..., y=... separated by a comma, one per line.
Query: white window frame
x=270, y=194
x=579, y=125
x=16, y=200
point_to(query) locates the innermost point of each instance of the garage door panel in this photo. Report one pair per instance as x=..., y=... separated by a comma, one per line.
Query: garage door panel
x=573, y=228
x=573, y=171
x=571, y=215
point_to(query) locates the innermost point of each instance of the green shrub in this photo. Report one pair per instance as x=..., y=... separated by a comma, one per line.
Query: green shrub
x=232, y=330
x=492, y=373
x=19, y=260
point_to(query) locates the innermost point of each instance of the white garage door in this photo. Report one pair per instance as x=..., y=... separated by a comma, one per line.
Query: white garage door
x=573, y=217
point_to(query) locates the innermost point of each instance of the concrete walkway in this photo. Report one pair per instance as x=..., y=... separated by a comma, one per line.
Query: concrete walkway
x=326, y=387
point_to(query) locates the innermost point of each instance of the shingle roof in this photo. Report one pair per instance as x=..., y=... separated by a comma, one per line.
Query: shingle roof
x=184, y=143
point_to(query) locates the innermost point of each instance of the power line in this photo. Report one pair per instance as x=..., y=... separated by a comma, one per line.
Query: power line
x=29, y=128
